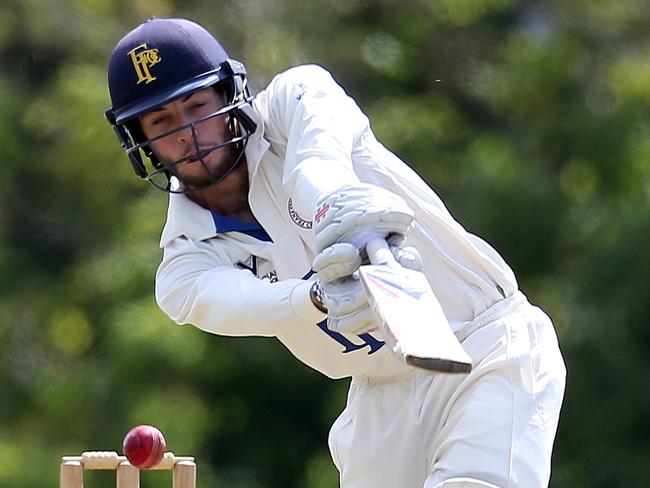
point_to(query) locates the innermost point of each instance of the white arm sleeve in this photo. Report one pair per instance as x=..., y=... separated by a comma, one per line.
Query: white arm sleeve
x=321, y=125
x=194, y=286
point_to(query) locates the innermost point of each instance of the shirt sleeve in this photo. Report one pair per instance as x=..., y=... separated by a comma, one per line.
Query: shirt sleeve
x=321, y=125
x=194, y=285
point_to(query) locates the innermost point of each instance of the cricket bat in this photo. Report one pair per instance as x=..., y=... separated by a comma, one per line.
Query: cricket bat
x=409, y=314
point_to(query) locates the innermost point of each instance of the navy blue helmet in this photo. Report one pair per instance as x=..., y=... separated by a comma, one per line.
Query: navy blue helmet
x=158, y=62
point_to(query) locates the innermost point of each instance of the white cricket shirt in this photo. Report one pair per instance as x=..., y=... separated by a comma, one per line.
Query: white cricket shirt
x=237, y=279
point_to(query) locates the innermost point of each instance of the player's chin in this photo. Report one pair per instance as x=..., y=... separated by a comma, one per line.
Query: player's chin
x=196, y=180
x=199, y=176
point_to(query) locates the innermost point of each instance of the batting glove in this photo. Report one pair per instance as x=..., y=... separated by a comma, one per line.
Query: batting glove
x=343, y=294
x=357, y=213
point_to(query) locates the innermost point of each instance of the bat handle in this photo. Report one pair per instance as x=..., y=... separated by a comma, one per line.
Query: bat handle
x=379, y=252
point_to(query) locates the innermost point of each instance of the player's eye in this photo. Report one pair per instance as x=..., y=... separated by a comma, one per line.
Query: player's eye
x=197, y=105
x=158, y=125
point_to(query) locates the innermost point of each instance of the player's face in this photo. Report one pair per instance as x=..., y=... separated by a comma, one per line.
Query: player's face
x=202, y=166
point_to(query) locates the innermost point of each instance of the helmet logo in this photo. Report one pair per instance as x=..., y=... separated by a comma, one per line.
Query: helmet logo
x=143, y=59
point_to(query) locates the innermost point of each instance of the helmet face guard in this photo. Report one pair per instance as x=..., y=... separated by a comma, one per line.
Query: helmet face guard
x=161, y=172
x=163, y=60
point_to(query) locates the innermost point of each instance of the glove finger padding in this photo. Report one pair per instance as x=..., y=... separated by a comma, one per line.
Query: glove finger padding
x=344, y=296
x=347, y=305
x=356, y=213
x=337, y=261
x=343, y=259
x=356, y=323
x=408, y=257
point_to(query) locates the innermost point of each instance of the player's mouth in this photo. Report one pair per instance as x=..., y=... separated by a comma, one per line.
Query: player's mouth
x=201, y=156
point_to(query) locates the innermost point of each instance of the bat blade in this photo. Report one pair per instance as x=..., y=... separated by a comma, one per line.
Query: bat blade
x=413, y=322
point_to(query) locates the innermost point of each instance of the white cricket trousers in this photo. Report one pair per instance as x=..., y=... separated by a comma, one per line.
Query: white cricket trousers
x=496, y=424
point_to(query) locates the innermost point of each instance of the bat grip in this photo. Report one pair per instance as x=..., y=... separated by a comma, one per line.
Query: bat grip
x=379, y=252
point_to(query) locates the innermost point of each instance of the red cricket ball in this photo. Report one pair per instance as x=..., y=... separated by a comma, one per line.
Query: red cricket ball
x=144, y=446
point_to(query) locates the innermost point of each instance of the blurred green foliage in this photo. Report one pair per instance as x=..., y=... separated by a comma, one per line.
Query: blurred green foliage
x=530, y=119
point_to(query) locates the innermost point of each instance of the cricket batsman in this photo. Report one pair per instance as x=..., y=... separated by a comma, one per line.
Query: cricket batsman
x=272, y=198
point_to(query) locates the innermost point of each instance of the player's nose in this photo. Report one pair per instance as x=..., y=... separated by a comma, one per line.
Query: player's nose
x=186, y=129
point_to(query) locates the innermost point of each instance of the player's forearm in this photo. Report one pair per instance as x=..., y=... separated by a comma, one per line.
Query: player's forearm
x=316, y=176
x=322, y=127
x=228, y=301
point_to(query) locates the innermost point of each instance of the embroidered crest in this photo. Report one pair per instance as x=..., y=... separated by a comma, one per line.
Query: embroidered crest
x=297, y=219
x=143, y=59
x=259, y=267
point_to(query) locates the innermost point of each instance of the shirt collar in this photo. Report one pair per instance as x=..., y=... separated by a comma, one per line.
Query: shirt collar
x=186, y=218
x=227, y=224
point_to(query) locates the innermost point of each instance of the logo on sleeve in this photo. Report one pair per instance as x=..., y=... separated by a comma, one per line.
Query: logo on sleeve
x=297, y=219
x=143, y=59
